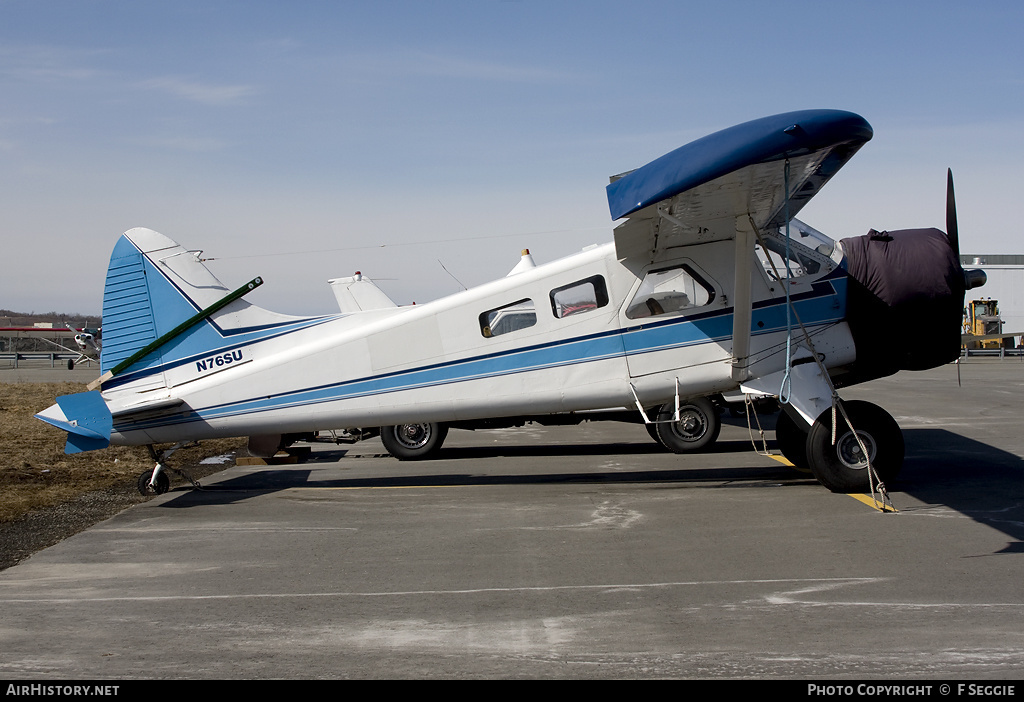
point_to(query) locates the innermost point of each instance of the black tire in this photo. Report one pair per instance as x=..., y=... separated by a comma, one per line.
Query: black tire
x=698, y=425
x=842, y=468
x=163, y=483
x=791, y=439
x=412, y=442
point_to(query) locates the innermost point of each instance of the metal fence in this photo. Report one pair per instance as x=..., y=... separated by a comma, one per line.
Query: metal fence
x=36, y=357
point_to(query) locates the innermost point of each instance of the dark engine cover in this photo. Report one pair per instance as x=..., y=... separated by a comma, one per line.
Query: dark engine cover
x=905, y=300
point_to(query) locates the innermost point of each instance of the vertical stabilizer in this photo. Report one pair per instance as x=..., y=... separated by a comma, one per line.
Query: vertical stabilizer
x=152, y=285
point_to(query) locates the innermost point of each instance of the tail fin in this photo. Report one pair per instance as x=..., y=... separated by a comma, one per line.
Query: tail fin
x=140, y=302
x=153, y=286
x=162, y=308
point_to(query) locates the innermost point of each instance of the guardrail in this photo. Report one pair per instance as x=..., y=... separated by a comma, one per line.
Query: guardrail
x=17, y=357
x=993, y=353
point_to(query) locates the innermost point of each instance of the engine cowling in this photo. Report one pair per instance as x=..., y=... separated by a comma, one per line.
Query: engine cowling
x=905, y=300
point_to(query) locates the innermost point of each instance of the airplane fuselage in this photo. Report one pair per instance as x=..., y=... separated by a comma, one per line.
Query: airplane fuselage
x=439, y=362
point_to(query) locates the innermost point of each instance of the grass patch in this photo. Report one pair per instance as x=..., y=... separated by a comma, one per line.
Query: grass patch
x=35, y=473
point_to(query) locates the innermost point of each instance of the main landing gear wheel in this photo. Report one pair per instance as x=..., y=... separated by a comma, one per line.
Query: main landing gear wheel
x=163, y=483
x=698, y=425
x=843, y=467
x=791, y=439
x=411, y=442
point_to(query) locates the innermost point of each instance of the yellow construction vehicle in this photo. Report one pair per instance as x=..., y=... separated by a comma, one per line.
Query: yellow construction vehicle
x=983, y=327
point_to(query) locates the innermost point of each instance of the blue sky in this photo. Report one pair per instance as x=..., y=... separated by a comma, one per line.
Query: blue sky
x=304, y=141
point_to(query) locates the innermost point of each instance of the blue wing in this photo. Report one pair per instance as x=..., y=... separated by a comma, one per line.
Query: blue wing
x=697, y=192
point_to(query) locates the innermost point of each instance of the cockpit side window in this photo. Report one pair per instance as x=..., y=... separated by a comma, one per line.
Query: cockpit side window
x=668, y=291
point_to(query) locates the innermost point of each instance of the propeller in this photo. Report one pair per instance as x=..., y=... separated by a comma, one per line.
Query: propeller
x=951, y=229
x=972, y=278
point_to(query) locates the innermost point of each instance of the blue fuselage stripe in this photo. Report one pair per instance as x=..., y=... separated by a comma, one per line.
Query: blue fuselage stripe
x=817, y=307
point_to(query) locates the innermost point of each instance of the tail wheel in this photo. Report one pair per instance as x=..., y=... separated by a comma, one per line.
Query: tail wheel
x=697, y=427
x=791, y=439
x=411, y=442
x=842, y=467
x=163, y=483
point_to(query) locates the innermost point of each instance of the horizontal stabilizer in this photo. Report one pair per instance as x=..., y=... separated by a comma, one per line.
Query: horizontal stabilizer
x=86, y=419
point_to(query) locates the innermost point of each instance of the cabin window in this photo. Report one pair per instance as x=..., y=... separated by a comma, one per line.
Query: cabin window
x=669, y=290
x=510, y=318
x=579, y=297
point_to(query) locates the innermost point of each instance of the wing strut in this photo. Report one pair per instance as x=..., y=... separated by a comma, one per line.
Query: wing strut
x=741, y=300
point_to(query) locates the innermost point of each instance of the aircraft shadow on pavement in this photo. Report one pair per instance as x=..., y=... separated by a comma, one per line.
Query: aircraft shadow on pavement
x=591, y=449
x=977, y=480
x=942, y=468
x=274, y=479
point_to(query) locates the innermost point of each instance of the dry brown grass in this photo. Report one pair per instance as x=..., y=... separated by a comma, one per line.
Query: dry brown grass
x=35, y=473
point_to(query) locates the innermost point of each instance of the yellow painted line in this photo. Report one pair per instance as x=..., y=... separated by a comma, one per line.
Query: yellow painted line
x=866, y=499
x=872, y=503
x=785, y=461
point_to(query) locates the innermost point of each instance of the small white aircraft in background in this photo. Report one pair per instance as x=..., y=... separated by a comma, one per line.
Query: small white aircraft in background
x=89, y=344
x=710, y=287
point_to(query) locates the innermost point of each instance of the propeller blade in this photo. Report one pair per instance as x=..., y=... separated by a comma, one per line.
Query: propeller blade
x=951, y=228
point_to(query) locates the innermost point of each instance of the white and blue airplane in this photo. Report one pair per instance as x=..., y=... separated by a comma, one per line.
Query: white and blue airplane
x=710, y=288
